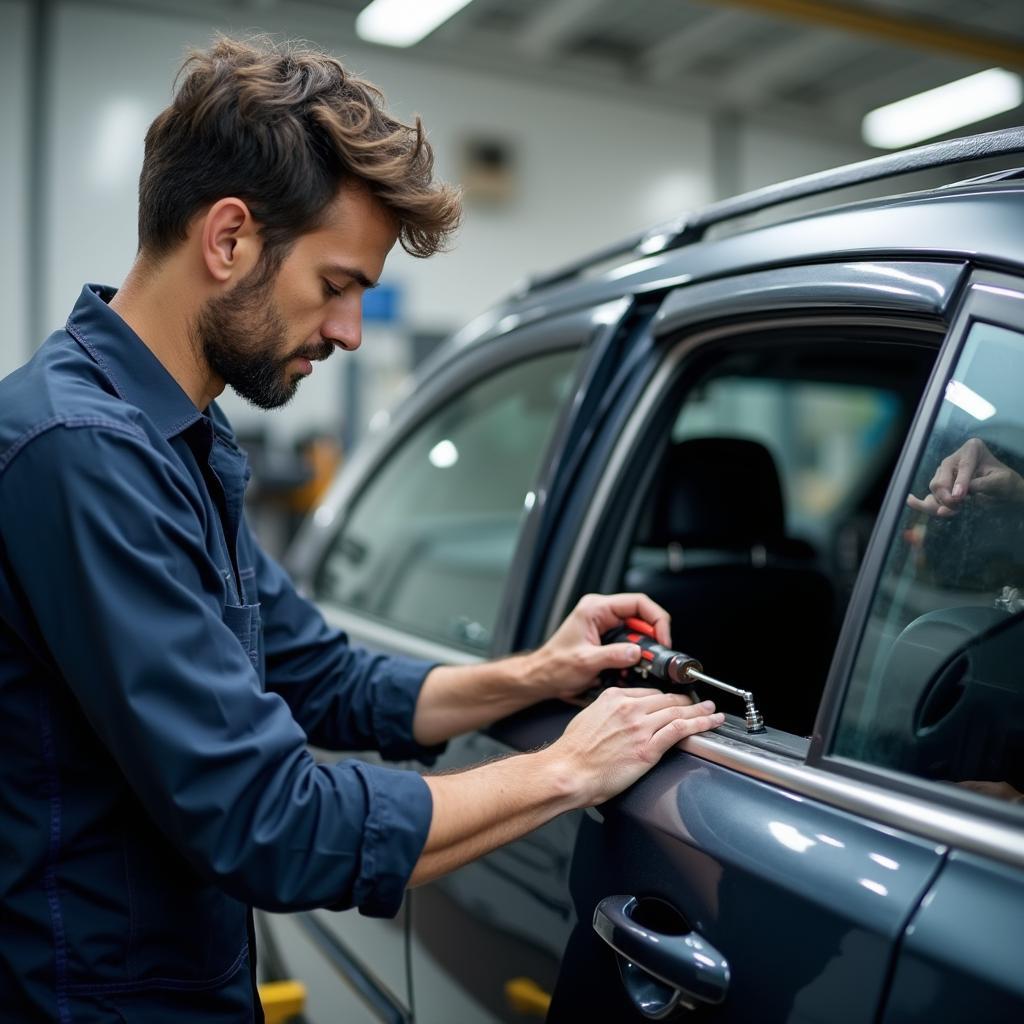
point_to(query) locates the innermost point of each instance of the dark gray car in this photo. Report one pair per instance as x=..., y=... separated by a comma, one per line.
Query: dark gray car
x=730, y=420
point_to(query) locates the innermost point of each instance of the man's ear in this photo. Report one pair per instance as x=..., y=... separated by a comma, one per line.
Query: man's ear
x=229, y=240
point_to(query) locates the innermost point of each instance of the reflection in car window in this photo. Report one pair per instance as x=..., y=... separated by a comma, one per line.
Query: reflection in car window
x=937, y=687
x=428, y=543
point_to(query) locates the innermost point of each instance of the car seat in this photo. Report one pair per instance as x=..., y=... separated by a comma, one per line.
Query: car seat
x=745, y=599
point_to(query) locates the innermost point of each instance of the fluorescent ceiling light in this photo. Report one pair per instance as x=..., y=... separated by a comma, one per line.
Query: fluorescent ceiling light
x=404, y=22
x=444, y=454
x=970, y=401
x=942, y=110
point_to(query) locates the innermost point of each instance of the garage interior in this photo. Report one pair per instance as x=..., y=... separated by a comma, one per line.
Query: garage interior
x=568, y=123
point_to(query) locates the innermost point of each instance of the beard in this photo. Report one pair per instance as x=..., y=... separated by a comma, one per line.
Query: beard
x=242, y=334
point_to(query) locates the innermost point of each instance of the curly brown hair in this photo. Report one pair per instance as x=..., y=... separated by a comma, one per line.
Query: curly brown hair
x=283, y=126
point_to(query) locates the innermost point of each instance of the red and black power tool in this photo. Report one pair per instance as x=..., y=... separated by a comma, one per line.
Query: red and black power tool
x=674, y=667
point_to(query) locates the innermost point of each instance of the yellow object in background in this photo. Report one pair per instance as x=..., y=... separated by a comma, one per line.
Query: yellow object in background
x=525, y=996
x=282, y=1000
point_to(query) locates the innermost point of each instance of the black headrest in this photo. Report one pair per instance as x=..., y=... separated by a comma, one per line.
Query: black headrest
x=719, y=491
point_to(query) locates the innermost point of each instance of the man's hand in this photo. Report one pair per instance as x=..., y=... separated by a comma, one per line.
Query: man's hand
x=574, y=657
x=459, y=698
x=603, y=750
x=623, y=734
x=971, y=470
x=1000, y=790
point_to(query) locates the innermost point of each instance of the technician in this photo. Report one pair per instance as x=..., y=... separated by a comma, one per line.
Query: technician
x=160, y=678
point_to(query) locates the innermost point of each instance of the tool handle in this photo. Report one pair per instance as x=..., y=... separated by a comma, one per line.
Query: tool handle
x=655, y=659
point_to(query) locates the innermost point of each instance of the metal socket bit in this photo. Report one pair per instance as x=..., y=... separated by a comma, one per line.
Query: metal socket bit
x=754, y=719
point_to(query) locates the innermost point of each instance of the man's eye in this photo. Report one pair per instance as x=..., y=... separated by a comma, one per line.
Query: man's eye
x=330, y=291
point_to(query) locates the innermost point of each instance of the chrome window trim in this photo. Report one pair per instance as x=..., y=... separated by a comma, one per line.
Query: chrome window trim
x=653, y=394
x=972, y=832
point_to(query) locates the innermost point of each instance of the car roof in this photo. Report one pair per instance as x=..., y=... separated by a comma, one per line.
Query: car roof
x=981, y=219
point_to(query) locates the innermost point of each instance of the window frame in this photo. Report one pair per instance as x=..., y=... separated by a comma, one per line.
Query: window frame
x=991, y=298
x=578, y=332
x=673, y=366
x=712, y=310
x=801, y=295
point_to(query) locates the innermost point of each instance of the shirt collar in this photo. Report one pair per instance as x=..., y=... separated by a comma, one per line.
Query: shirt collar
x=133, y=371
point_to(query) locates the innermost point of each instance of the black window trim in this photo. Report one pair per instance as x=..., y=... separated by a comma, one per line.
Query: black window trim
x=666, y=372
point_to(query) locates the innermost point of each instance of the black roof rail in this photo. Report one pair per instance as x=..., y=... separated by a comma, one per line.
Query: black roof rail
x=693, y=226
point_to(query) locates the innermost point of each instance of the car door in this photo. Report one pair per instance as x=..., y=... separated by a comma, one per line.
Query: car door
x=733, y=877
x=421, y=550
x=933, y=705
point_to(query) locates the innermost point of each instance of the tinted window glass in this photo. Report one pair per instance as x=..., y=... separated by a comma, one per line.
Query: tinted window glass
x=937, y=686
x=823, y=437
x=776, y=452
x=428, y=543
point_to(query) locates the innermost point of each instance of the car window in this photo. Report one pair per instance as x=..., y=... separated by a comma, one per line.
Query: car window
x=428, y=542
x=773, y=449
x=937, y=685
x=823, y=437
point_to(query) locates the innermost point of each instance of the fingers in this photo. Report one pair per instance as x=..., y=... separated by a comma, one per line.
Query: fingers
x=941, y=484
x=609, y=610
x=930, y=506
x=612, y=656
x=927, y=505
x=680, y=728
x=964, y=470
x=660, y=699
x=632, y=691
x=657, y=720
x=952, y=478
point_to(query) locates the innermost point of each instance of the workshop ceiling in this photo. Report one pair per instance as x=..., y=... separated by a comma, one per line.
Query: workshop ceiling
x=818, y=63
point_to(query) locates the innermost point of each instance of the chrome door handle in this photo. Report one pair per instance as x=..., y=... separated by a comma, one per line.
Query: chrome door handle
x=660, y=971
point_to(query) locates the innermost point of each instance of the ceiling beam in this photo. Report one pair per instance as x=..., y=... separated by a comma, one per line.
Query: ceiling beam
x=545, y=32
x=676, y=52
x=797, y=61
x=912, y=32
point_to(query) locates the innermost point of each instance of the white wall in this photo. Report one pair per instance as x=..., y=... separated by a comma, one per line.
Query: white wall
x=591, y=169
x=14, y=343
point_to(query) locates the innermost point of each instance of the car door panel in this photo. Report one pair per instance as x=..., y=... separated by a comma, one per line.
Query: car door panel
x=961, y=956
x=804, y=902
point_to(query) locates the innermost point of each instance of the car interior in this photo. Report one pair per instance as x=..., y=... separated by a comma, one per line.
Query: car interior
x=744, y=532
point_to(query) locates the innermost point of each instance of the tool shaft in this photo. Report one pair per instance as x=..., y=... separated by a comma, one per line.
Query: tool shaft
x=711, y=681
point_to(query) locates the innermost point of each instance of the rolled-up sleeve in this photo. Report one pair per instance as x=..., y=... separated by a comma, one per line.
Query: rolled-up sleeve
x=344, y=698
x=106, y=542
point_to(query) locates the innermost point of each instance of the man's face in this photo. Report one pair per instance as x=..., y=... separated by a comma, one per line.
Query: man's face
x=264, y=335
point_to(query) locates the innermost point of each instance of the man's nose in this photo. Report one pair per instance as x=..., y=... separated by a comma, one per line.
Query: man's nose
x=345, y=329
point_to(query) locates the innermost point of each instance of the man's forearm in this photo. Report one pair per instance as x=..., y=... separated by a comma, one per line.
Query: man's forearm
x=477, y=810
x=456, y=699
x=604, y=749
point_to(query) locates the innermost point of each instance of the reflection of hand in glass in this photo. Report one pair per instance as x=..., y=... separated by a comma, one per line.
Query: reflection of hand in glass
x=972, y=470
x=1000, y=790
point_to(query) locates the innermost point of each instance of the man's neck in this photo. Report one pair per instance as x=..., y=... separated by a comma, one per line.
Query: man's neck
x=157, y=304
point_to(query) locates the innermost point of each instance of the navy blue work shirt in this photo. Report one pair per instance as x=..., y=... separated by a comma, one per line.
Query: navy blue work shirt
x=159, y=681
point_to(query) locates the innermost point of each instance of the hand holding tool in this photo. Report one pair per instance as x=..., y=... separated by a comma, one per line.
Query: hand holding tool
x=675, y=667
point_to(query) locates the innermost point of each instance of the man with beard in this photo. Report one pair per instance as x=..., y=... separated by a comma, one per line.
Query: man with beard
x=159, y=676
